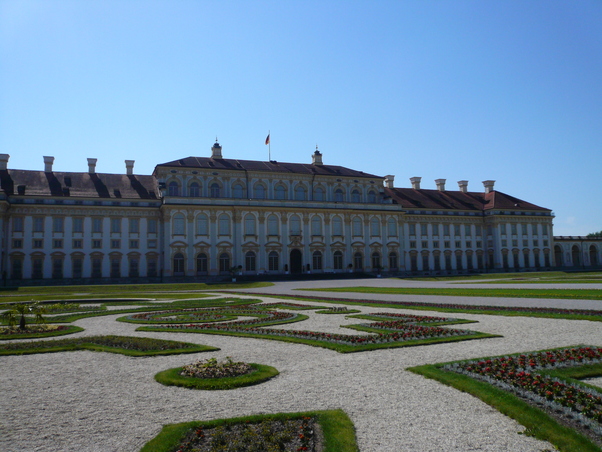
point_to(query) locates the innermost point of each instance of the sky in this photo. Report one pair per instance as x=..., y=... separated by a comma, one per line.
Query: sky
x=460, y=90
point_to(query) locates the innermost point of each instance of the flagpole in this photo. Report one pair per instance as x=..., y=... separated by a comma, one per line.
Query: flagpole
x=269, y=146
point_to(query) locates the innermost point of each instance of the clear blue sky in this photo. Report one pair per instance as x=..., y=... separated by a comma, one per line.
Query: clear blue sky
x=475, y=90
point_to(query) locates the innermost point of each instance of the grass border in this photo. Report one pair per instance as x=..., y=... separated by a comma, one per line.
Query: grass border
x=337, y=428
x=536, y=422
x=260, y=374
x=70, y=329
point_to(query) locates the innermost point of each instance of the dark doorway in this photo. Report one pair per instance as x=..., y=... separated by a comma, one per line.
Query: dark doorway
x=296, y=261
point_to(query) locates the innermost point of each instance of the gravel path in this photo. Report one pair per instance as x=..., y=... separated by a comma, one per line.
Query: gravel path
x=87, y=401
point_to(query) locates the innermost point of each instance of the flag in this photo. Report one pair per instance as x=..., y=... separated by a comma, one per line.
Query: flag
x=267, y=139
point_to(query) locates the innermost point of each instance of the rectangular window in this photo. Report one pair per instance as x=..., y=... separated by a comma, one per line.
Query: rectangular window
x=425, y=244
x=57, y=268
x=504, y=243
x=435, y=229
x=96, y=224
x=77, y=244
x=468, y=244
x=151, y=267
x=37, y=268
x=467, y=230
x=424, y=229
x=17, y=243
x=96, y=267
x=503, y=229
x=58, y=224
x=523, y=228
x=152, y=226
x=458, y=244
x=38, y=243
x=96, y=243
x=412, y=229
x=446, y=244
x=525, y=242
x=115, y=244
x=18, y=224
x=116, y=225
x=545, y=243
x=478, y=231
x=412, y=244
x=479, y=244
x=436, y=244
x=457, y=230
x=152, y=244
x=134, y=225
x=513, y=229
x=133, y=244
x=115, y=267
x=133, y=270
x=446, y=230
x=57, y=243
x=544, y=229
x=535, y=242
x=77, y=267
x=38, y=224
x=78, y=224
x=534, y=229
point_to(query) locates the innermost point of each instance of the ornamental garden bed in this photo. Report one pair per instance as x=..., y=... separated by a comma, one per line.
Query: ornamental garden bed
x=541, y=390
x=37, y=331
x=211, y=374
x=125, y=345
x=325, y=431
x=396, y=333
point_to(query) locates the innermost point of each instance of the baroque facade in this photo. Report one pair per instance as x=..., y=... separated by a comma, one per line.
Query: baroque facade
x=203, y=217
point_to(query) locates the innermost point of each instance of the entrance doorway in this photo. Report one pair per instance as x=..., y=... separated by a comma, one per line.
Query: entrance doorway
x=296, y=261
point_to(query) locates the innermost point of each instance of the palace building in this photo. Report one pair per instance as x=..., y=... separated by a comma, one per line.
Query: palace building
x=198, y=218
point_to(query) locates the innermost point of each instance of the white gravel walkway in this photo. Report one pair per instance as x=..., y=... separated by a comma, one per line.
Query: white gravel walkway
x=87, y=401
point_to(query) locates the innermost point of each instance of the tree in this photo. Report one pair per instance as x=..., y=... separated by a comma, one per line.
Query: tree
x=594, y=234
x=19, y=312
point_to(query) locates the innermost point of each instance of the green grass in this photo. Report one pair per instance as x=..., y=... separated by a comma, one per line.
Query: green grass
x=337, y=428
x=154, y=291
x=519, y=277
x=125, y=345
x=70, y=329
x=575, y=294
x=260, y=373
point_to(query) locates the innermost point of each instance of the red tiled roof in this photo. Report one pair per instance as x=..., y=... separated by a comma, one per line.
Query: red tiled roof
x=271, y=166
x=457, y=200
x=81, y=185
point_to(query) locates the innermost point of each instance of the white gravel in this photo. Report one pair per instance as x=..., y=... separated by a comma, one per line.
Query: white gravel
x=87, y=401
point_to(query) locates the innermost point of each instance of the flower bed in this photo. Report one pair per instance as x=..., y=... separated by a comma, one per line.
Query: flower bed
x=37, y=331
x=526, y=376
x=212, y=368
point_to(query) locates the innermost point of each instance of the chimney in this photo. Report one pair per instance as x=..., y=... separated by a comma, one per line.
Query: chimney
x=316, y=158
x=92, y=165
x=4, y=161
x=48, y=161
x=129, y=167
x=463, y=184
x=389, y=181
x=488, y=185
x=440, y=184
x=216, y=151
x=415, y=182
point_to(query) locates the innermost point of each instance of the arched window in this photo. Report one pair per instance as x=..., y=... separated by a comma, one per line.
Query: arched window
x=202, y=224
x=300, y=193
x=201, y=264
x=280, y=192
x=317, y=260
x=250, y=224
x=357, y=226
x=558, y=255
x=593, y=256
x=391, y=227
x=392, y=261
x=273, y=224
x=295, y=225
x=259, y=191
x=223, y=225
x=173, y=188
x=358, y=261
x=194, y=191
x=338, y=260
x=376, y=261
x=374, y=227
x=273, y=261
x=355, y=196
x=337, y=225
x=237, y=191
x=318, y=194
x=316, y=225
x=372, y=196
x=215, y=190
x=250, y=261
x=576, y=256
x=338, y=195
x=179, y=224
x=224, y=263
x=178, y=264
